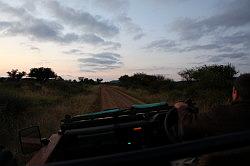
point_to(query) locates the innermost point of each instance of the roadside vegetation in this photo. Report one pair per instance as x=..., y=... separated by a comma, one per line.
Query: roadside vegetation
x=208, y=86
x=41, y=99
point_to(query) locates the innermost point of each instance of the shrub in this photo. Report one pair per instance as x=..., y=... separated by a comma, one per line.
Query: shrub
x=15, y=75
x=42, y=74
x=13, y=102
x=212, y=77
x=153, y=83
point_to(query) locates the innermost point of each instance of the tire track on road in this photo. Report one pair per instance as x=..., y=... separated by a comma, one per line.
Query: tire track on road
x=114, y=98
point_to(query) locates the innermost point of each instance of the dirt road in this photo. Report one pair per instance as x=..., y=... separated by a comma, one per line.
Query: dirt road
x=114, y=98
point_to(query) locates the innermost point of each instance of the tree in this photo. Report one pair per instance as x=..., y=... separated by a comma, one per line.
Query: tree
x=125, y=81
x=59, y=78
x=153, y=83
x=99, y=80
x=187, y=74
x=88, y=81
x=42, y=74
x=81, y=79
x=213, y=76
x=15, y=75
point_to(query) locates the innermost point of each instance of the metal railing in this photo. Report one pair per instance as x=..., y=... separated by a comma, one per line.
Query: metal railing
x=167, y=153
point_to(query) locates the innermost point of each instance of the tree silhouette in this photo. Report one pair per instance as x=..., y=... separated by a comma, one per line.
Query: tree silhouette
x=59, y=78
x=88, y=81
x=15, y=75
x=81, y=79
x=213, y=76
x=42, y=74
x=153, y=83
x=99, y=80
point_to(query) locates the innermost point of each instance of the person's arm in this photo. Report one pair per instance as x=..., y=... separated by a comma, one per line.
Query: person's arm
x=195, y=127
x=181, y=106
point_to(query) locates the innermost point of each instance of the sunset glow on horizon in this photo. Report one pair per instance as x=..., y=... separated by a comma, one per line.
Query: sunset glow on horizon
x=107, y=39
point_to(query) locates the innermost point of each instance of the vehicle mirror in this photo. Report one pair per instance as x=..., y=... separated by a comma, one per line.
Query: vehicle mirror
x=30, y=139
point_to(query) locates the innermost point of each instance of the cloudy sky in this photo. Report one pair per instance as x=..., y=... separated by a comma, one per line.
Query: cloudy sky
x=110, y=38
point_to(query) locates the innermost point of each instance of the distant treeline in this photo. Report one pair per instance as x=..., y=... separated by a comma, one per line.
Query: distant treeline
x=42, y=75
x=41, y=87
x=202, y=77
x=150, y=82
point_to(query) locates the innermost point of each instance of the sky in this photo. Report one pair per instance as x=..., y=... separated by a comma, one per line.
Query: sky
x=109, y=38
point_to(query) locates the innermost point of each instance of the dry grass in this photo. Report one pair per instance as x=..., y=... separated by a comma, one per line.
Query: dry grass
x=41, y=105
x=205, y=100
x=48, y=118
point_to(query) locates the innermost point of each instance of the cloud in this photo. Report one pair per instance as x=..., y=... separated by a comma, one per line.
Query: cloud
x=237, y=38
x=171, y=45
x=30, y=46
x=111, y=45
x=46, y=30
x=83, y=20
x=35, y=29
x=114, y=6
x=236, y=14
x=25, y=24
x=188, y=29
x=163, y=45
x=225, y=36
x=4, y=24
x=227, y=31
x=139, y=36
x=16, y=12
x=100, y=61
x=33, y=48
x=200, y=47
x=43, y=63
x=153, y=69
x=234, y=56
x=74, y=51
x=90, y=39
x=30, y=5
x=128, y=24
x=120, y=8
x=227, y=44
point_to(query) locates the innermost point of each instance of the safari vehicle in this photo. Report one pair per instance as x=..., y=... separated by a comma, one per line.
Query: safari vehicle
x=141, y=134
